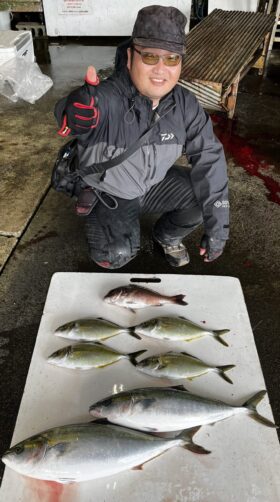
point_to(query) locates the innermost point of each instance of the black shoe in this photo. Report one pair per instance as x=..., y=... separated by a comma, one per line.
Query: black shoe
x=176, y=254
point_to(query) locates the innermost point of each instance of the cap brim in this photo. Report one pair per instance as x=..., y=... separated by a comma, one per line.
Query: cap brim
x=160, y=44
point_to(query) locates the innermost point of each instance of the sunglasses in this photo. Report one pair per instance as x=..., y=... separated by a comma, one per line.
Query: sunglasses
x=153, y=59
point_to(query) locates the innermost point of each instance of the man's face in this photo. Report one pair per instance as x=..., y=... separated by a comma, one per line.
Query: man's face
x=153, y=81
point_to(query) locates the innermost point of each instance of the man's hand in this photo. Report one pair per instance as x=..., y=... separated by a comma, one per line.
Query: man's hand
x=211, y=248
x=82, y=114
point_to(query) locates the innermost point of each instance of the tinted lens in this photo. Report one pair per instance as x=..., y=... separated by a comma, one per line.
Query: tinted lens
x=149, y=58
x=152, y=59
x=172, y=60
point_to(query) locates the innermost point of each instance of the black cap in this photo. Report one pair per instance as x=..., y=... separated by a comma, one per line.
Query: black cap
x=160, y=27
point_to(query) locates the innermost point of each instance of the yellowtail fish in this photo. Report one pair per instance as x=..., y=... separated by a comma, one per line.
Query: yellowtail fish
x=84, y=356
x=170, y=409
x=136, y=297
x=92, y=330
x=177, y=329
x=81, y=452
x=179, y=365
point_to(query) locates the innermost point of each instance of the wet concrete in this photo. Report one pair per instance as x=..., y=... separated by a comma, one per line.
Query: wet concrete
x=53, y=240
x=7, y=244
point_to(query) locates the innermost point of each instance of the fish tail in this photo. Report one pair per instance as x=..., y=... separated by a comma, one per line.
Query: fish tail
x=188, y=444
x=251, y=405
x=179, y=299
x=219, y=333
x=131, y=332
x=133, y=356
x=223, y=369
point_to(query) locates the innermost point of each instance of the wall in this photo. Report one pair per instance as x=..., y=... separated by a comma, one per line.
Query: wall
x=244, y=5
x=98, y=17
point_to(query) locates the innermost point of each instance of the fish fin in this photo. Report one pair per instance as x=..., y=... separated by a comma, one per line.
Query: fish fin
x=179, y=387
x=137, y=468
x=179, y=299
x=187, y=437
x=140, y=467
x=162, y=435
x=132, y=310
x=103, y=421
x=133, y=356
x=195, y=448
x=135, y=335
x=222, y=369
x=252, y=403
x=161, y=366
x=59, y=447
x=219, y=333
x=130, y=331
x=189, y=355
x=152, y=430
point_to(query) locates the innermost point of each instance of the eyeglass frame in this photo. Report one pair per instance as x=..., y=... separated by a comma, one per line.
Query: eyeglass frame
x=163, y=57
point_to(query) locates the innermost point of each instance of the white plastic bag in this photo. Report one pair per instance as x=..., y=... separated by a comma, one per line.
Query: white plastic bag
x=23, y=79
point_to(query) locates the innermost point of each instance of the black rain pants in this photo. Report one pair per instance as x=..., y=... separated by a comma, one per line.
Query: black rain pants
x=114, y=234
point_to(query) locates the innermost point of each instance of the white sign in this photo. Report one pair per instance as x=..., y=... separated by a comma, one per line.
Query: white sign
x=74, y=7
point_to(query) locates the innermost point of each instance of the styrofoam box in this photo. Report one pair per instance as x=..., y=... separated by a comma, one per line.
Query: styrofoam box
x=16, y=43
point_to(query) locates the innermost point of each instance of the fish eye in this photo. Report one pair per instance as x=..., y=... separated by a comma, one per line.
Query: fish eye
x=18, y=449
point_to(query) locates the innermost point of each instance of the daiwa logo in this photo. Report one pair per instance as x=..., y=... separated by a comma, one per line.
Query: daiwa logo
x=167, y=136
x=221, y=203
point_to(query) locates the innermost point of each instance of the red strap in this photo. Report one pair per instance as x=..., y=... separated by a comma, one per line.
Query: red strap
x=93, y=116
x=97, y=120
x=64, y=131
x=84, y=107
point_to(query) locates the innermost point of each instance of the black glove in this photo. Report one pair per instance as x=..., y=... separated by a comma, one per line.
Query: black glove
x=81, y=113
x=211, y=248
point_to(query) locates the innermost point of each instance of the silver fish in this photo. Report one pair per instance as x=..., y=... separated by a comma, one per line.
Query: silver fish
x=81, y=452
x=137, y=297
x=177, y=329
x=85, y=356
x=92, y=330
x=179, y=365
x=170, y=409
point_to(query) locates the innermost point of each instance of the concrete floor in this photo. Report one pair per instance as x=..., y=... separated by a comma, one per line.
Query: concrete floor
x=40, y=235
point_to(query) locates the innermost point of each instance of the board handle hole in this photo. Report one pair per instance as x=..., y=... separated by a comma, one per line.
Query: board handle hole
x=143, y=279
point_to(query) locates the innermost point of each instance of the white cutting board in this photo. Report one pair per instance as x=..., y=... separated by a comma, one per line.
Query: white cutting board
x=245, y=462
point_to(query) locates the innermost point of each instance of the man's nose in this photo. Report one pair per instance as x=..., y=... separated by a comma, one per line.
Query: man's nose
x=160, y=66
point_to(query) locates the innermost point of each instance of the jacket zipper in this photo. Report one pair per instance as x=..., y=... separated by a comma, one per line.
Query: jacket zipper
x=155, y=157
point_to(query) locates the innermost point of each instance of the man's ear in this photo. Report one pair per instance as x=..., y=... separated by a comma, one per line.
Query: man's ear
x=129, y=58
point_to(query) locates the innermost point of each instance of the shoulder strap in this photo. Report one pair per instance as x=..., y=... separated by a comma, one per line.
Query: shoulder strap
x=103, y=166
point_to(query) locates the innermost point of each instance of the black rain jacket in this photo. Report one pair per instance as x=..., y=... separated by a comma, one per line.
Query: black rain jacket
x=182, y=127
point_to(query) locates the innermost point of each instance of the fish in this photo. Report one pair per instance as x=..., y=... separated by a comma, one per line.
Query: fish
x=179, y=365
x=177, y=329
x=92, y=330
x=166, y=409
x=136, y=297
x=82, y=452
x=85, y=356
